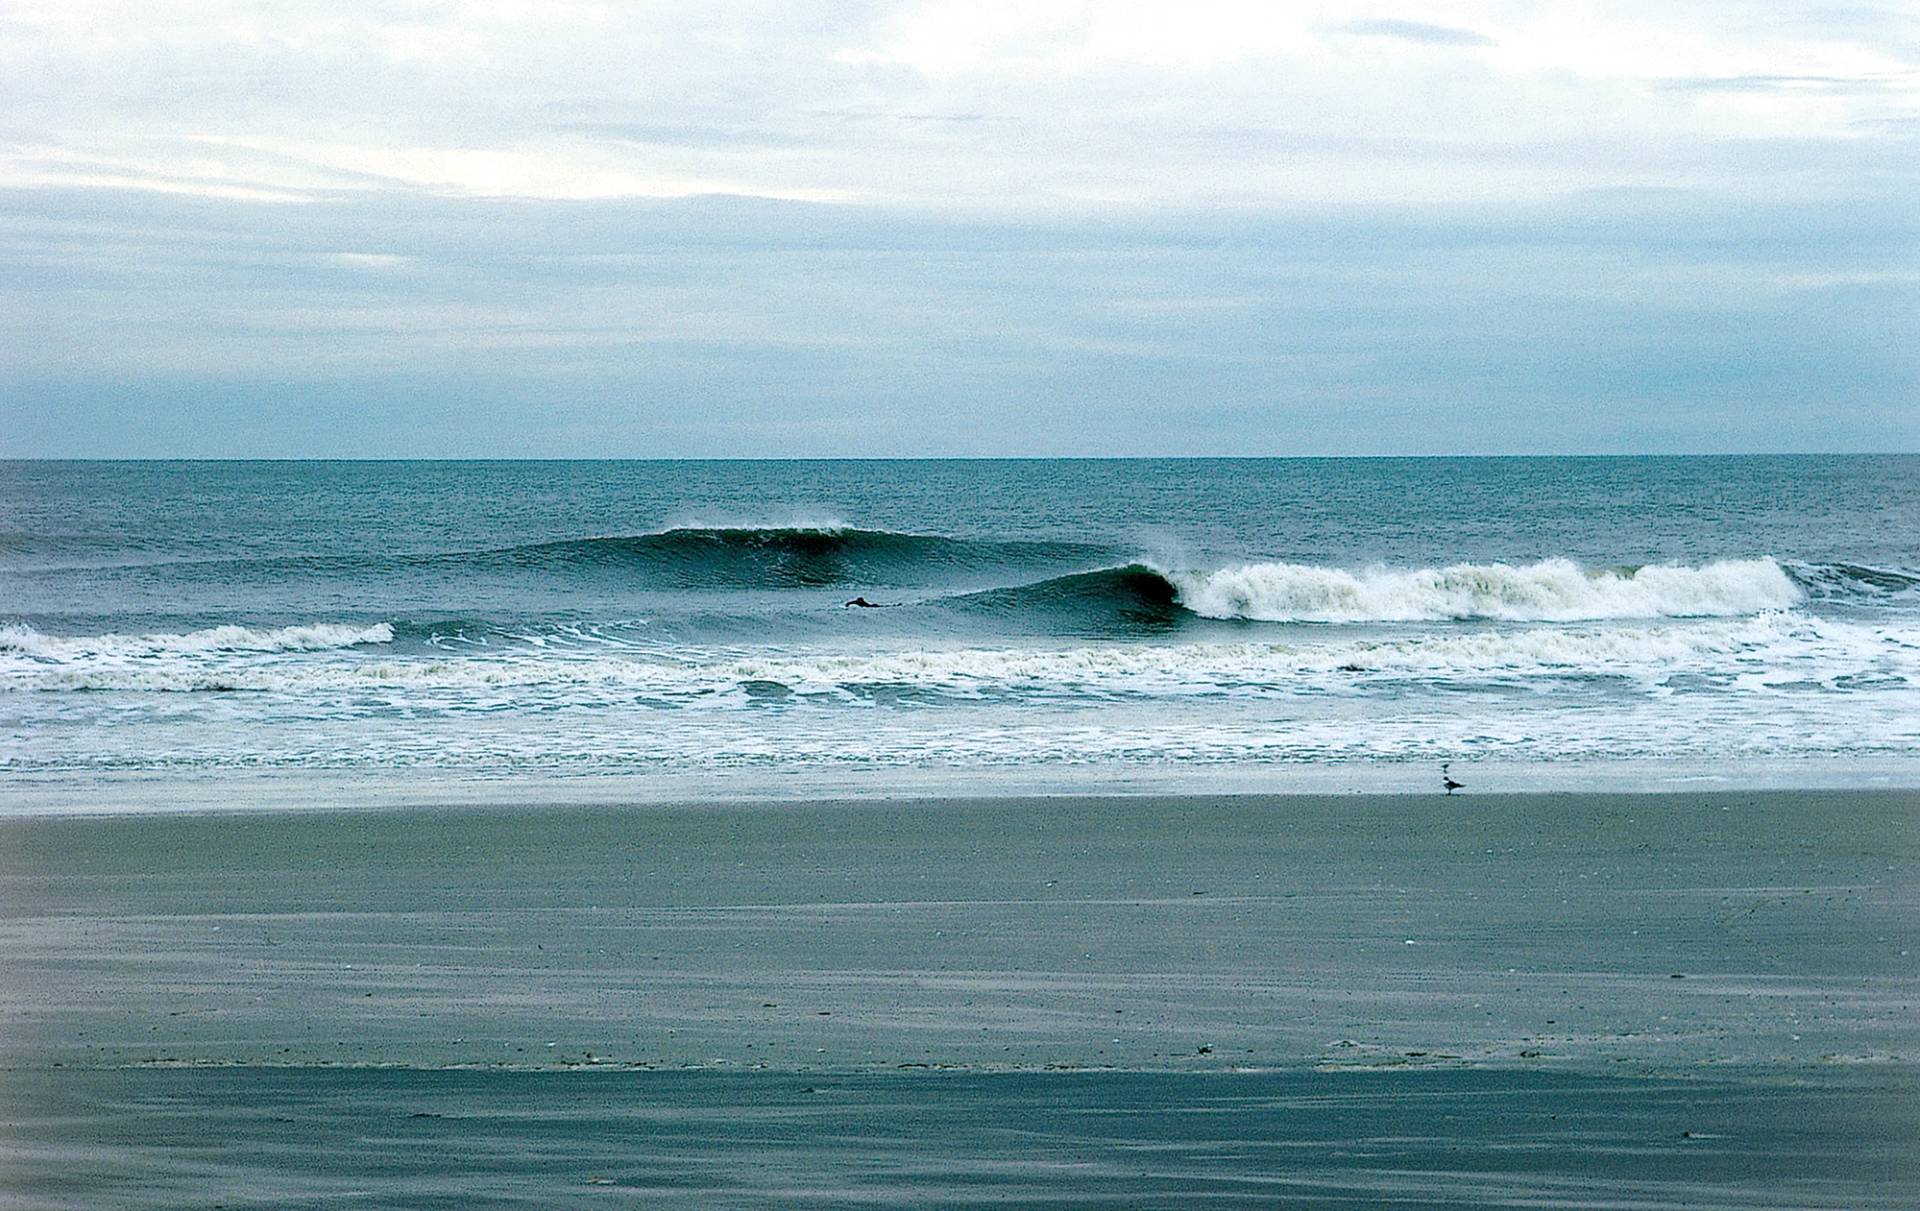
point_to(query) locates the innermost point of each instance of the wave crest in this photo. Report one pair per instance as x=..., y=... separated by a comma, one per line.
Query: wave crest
x=1120, y=598
x=789, y=556
x=1852, y=582
x=1552, y=590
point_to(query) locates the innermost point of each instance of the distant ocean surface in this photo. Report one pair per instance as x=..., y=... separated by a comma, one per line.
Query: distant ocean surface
x=1042, y=619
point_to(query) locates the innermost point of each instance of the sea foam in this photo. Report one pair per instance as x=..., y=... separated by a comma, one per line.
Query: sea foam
x=1552, y=590
x=306, y=638
x=1800, y=648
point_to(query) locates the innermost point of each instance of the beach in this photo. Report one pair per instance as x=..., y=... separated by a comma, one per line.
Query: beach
x=1341, y=998
x=919, y=604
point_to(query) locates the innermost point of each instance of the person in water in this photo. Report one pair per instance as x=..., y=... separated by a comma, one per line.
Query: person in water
x=863, y=603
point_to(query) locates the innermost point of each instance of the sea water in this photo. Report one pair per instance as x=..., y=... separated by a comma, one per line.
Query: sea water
x=1055, y=623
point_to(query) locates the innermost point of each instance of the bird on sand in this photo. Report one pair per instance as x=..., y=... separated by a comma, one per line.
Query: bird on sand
x=1447, y=781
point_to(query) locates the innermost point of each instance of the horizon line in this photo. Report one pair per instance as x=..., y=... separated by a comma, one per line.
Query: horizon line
x=953, y=458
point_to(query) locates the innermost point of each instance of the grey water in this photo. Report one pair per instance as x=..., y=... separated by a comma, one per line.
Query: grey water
x=1054, y=617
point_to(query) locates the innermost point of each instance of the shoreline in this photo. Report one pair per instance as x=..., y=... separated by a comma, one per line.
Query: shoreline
x=215, y=792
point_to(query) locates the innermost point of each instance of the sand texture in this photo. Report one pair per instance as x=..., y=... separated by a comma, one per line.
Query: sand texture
x=1639, y=1000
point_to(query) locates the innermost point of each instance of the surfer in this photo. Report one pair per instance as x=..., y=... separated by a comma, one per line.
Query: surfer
x=863, y=603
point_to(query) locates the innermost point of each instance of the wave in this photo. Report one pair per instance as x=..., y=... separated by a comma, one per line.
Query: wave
x=1552, y=590
x=1851, y=581
x=703, y=557
x=25, y=641
x=1123, y=598
x=790, y=556
x=1082, y=585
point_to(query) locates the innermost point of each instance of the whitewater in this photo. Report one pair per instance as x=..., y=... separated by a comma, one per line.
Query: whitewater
x=1550, y=590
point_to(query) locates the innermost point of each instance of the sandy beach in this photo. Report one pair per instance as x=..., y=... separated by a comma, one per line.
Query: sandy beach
x=1641, y=1000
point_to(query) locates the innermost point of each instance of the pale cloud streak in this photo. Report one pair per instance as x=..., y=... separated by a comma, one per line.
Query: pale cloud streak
x=933, y=226
x=1067, y=104
x=1417, y=31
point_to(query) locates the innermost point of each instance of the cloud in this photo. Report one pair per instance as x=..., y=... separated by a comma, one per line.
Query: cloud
x=370, y=323
x=1007, y=106
x=1416, y=31
x=374, y=261
x=1787, y=84
x=684, y=134
x=864, y=218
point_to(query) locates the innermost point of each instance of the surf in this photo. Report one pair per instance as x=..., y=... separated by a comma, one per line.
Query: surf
x=1551, y=590
x=25, y=641
x=1841, y=655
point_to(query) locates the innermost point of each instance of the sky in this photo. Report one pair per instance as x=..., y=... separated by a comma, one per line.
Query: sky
x=493, y=228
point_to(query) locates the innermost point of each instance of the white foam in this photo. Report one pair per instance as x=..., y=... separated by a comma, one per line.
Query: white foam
x=312, y=637
x=1553, y=590
x=805, y=521
x=575, y=676
x=1714, y=691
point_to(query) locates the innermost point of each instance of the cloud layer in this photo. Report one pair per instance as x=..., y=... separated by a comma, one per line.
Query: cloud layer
x=454, y=226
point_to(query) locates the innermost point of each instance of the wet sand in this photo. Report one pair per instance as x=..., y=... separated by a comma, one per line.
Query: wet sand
x=1149, y=1000
x=311, y=1138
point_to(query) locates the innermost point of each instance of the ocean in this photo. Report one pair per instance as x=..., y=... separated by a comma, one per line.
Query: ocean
x=1049, y=624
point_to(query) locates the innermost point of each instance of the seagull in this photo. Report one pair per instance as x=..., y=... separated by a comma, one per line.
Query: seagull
x=1447, y=781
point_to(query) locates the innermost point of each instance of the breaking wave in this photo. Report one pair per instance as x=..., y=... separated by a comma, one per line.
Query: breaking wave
x=1120, y=598
x=1852, y=582
x=1552, y=590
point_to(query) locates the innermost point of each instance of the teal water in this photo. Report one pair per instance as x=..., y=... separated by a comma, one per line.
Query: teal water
x=616, y=618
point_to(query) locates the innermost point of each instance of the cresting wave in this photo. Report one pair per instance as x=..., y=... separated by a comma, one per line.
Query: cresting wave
x=689, y=557
x=1552, y=590
x=791, y=556
x=1069, y=583
x=1851, y=581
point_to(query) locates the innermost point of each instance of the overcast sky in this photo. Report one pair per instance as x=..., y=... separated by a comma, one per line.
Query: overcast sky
x=488, y=228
